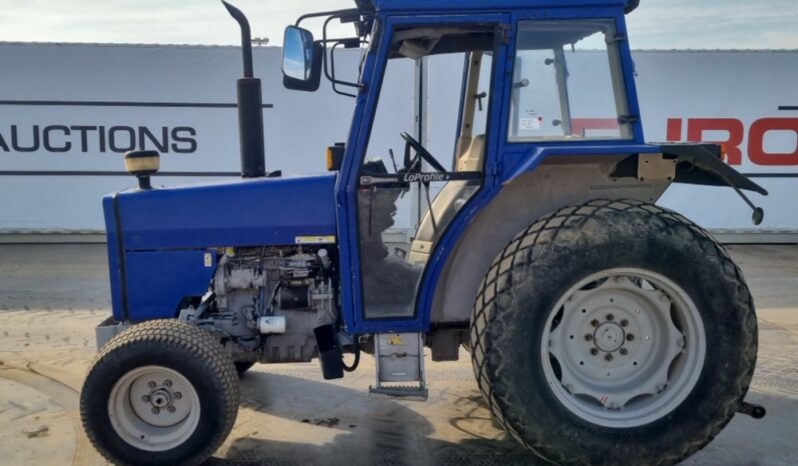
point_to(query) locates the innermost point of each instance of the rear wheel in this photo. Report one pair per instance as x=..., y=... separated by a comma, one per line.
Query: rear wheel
x=162, y=392
x=600, y=326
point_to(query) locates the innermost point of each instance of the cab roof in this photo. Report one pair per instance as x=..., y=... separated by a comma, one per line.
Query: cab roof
x=488, y=5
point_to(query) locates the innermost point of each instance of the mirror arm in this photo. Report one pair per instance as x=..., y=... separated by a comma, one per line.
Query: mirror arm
x=331, y=76
x=333, y=13
x=332, y=68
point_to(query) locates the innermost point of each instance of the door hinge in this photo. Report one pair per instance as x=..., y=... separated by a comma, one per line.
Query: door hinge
x=495, y=169
x=504, y=33
x=626, y=119
x=619, y=37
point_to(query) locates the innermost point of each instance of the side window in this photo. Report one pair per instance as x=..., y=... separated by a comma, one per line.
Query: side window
x=567, y=82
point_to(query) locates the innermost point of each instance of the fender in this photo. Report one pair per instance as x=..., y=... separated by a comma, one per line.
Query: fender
x=557, y=182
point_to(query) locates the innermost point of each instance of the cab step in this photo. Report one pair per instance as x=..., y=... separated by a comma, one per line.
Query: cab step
x=400, y=359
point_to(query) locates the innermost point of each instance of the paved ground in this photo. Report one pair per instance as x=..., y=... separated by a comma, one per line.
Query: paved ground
x=51, y=297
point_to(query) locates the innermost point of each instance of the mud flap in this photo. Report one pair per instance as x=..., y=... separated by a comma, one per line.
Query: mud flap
x=700, y=164
x=330, y=354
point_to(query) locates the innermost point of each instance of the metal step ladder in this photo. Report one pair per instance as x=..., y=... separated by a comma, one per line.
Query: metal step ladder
x=400, y=360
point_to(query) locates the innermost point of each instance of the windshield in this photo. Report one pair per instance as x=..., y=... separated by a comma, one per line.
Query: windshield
x=567, y=82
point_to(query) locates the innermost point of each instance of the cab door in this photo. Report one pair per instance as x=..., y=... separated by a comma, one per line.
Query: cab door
x=403, y=193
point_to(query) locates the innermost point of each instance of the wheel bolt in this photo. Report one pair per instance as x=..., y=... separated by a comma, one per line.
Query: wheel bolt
x=610, y=317
x=624, y=323
x=155, y=410
x=593, y=351
x=171, y=409
x=624, y=351
x=588, y=337
x=178, y=395
x=594, y=323
x=145, y=398
x=151, y=384
x=167, y=383
x=608, y=357
x=629, y=337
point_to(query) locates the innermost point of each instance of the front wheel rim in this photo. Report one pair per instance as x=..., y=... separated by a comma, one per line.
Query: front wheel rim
x=154, y=408
x=623, y=347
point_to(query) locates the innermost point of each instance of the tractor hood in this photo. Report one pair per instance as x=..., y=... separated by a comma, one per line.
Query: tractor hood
x=262, y=211
x=163, y=243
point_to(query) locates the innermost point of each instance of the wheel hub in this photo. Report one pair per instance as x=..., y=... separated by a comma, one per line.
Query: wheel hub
x=613, y=349
x=154, y=408
x=609, y=337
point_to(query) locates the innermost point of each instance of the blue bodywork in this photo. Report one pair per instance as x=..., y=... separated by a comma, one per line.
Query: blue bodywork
x=160, y=257
x=159, y=240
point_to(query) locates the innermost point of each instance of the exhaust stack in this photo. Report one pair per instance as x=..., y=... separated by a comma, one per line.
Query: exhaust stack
x=250, y=106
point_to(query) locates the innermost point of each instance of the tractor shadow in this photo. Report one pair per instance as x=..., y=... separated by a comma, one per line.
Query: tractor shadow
x=331, y=424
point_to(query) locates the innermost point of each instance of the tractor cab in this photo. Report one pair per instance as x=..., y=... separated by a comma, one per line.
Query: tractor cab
x=526, y=81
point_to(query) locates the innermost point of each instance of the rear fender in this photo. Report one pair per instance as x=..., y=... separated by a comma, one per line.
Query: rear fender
x=557, y=182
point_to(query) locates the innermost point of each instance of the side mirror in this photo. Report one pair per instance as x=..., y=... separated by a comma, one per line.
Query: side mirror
x=142, y=164
x=301, y=60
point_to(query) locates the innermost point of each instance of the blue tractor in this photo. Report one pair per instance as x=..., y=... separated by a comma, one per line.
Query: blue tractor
x=602, y=328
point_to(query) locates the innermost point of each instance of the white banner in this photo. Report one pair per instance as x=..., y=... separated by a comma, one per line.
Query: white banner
x=76, y=108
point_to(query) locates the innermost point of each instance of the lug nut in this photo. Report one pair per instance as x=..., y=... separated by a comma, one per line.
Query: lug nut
x=145, y=398
x=593, y=351
x=594, y=323
x=624, y=323
x=167, y=383
x=178, y=395
x=624, y=351
x=610, y=317
x=171, y=409
x=155, y=410
x=588, y=337
x=608, y=357
x=629, y=337
x=151, y=384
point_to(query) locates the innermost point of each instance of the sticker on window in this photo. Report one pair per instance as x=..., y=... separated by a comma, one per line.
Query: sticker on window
x=530, y=123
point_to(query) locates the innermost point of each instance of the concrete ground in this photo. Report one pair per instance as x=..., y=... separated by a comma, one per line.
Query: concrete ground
x=52, y=296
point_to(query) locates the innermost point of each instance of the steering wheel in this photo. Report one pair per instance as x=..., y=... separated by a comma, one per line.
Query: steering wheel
x=420, y=152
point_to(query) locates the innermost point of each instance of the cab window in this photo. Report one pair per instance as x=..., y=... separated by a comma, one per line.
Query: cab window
x=567, y=82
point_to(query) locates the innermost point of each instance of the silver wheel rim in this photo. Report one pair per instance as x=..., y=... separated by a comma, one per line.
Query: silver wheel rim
x=154, y=408
x=623, y=347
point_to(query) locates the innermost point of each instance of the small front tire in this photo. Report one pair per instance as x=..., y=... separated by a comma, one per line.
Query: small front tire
x=161, y=392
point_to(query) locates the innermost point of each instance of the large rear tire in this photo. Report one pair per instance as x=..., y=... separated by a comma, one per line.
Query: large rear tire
x=615, y=332
x=161, y=392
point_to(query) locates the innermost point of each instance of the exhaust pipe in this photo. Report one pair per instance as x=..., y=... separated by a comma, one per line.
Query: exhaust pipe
x=250, y=106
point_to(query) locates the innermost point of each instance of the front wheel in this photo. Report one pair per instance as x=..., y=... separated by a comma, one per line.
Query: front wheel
x=162, y=392
x=615, y=332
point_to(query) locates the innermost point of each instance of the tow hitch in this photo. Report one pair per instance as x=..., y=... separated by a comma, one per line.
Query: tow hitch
x=755, y=411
